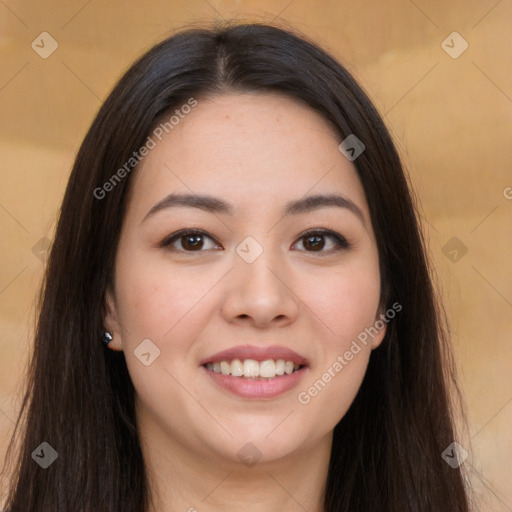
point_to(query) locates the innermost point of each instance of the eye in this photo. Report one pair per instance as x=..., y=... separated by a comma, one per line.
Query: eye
x=188, y=240
x=193, y=240
x=315, y=241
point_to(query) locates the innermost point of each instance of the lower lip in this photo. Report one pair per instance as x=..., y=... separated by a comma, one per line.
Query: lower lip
x=257, y=389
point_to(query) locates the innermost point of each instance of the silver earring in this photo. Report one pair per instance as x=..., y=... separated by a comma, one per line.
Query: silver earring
x=107, y=338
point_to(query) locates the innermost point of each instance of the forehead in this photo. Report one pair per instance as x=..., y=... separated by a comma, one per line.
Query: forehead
x=247, y=148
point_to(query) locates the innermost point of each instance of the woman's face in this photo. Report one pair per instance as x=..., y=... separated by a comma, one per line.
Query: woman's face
x=276, y=278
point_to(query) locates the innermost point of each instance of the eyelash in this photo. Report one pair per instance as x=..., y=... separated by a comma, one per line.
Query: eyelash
x=340, y=241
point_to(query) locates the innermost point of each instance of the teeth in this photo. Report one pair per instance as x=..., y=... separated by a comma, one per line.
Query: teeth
x=237, y=368
x=267, y=368
x=251, y=368
x=225, y=368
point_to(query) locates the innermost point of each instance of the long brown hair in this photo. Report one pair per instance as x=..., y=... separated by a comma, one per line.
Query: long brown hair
x=386, y=453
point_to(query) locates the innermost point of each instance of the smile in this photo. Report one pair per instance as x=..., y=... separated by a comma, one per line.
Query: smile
x=255, y=372
x=252, y=369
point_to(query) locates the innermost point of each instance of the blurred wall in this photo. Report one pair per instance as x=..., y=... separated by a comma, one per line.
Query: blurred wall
x=440, y=74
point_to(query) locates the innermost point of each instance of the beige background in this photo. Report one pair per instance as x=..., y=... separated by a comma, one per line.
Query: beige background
x=451, y=118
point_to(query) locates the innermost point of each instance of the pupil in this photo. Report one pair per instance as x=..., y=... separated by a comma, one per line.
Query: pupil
x=317, y=243
x=193, y=242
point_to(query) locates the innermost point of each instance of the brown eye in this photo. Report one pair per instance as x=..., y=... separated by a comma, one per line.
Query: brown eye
x=189, y=241
x=316, y=241
x=192, y=242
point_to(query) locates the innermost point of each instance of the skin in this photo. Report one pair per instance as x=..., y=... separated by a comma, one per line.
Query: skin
x=249, y=150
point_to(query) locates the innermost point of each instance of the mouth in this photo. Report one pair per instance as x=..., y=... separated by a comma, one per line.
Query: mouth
x=256, y=372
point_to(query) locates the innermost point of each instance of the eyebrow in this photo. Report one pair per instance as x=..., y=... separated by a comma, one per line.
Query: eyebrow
x=213, y=204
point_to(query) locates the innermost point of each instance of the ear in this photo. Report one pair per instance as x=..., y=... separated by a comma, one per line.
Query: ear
x=381, y=324
x=110, y=320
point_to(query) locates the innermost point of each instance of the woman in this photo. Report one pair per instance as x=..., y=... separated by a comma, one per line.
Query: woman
x=238, y=231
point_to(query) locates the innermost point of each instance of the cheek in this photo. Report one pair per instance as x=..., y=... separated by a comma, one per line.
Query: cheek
x=154, y=300
x=345, y=301
x=330, y=393
x=167, y=306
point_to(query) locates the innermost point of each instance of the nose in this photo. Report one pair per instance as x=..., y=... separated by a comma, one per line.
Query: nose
x=260, y=294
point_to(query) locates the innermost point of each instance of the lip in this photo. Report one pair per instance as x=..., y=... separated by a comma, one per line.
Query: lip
x=257, y=389
x=257, y=353
x=252, y=388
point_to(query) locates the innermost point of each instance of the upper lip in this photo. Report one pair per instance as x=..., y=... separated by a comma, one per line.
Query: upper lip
x=257, y=353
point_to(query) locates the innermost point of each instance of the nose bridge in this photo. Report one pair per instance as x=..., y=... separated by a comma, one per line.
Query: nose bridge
x=258, y=284
x=257, y=266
